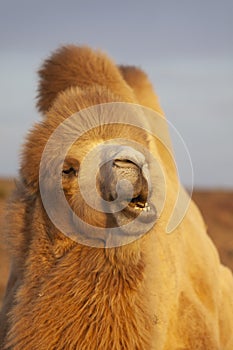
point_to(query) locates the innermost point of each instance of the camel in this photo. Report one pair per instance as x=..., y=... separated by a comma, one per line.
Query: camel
x=72, y=287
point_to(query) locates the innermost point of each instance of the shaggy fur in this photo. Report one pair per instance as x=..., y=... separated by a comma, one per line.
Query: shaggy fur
x=162, y=292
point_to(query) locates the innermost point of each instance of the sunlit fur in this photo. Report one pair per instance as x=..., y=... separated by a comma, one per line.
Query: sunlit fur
x=162, y=292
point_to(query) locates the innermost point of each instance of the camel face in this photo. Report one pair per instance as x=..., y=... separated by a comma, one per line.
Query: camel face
x=106, y=180
x=122, y=185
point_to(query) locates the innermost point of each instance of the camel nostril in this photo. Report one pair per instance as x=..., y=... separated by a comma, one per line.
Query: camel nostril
x=125, y=163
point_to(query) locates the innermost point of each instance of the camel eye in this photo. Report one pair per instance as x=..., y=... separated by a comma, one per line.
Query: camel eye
x=70, y=171
x=70, y=167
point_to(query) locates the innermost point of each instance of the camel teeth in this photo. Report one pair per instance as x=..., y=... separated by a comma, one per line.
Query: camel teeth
x=142, y=206
x=147, y=208
x=138, y=208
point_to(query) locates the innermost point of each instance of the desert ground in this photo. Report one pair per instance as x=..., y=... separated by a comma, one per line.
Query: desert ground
x=215, y=205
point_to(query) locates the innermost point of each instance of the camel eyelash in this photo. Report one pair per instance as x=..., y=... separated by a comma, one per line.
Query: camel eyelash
x=70, y=171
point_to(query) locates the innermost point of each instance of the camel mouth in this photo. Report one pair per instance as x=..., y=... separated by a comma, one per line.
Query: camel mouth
x=125, y=181
x=139, y=204
x=140, y=208
x=145, y=211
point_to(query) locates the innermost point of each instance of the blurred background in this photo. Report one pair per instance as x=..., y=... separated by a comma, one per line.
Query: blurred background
x=185, y=46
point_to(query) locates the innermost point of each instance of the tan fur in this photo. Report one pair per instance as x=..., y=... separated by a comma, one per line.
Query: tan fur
x=65, y=69
x=142, y=87
x=162, y=292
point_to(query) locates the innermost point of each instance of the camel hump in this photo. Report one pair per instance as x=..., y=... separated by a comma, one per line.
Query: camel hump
x=81, y=67
x=138, y=80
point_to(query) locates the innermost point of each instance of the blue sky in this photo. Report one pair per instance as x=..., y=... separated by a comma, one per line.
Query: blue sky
x=186, y=47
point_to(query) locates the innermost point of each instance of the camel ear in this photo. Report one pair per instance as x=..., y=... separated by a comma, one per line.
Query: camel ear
x=70, y=167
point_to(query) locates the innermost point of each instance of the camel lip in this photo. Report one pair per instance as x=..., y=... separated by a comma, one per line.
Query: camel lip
x=145, y=211
x=144, y=214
